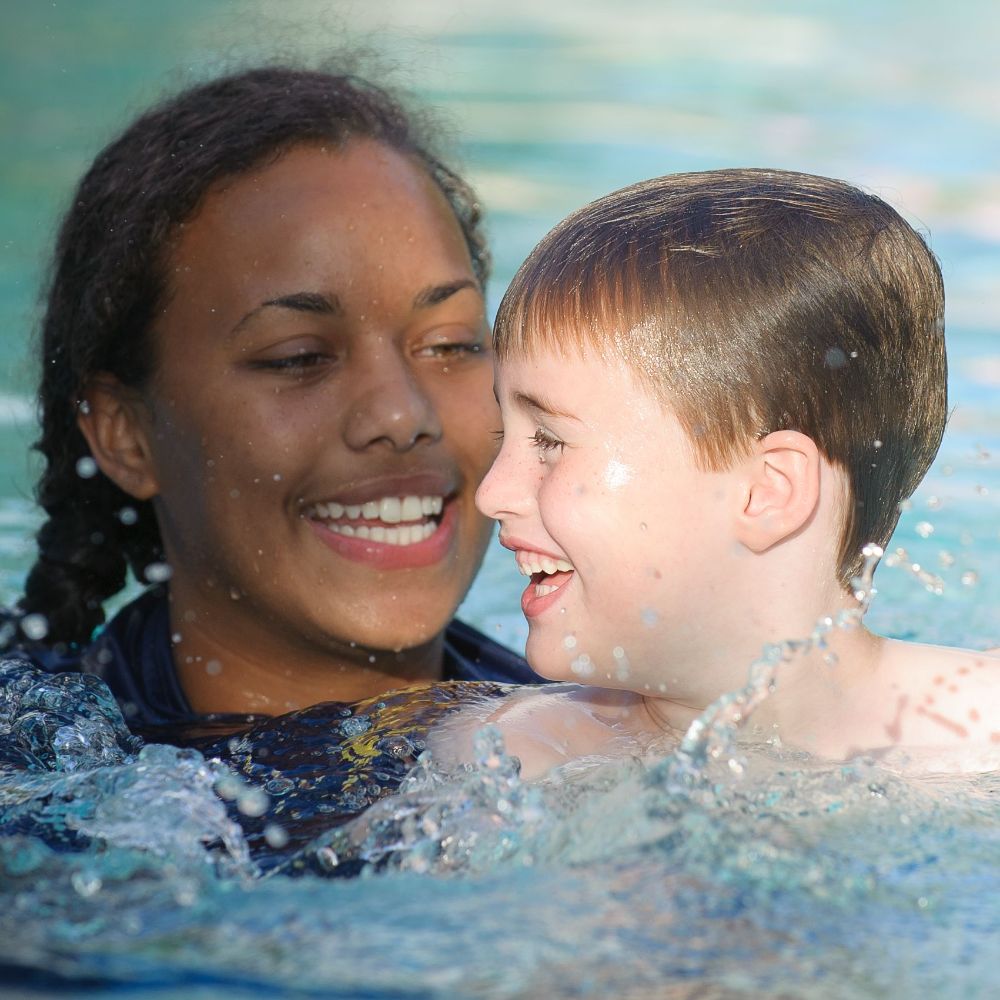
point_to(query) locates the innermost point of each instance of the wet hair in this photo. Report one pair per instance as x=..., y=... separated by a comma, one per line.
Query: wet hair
x=752, y=301
x=109, y=281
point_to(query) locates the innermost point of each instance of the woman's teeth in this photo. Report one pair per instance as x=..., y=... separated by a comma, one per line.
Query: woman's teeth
x=389, y=510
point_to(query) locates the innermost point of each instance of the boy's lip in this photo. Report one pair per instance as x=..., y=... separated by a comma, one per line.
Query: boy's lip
x=532, y=605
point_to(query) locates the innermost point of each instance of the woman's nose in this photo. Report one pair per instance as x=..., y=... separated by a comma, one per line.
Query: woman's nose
x=391, y=407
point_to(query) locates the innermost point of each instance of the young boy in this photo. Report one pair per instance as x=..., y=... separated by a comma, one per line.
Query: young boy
x=716, y=388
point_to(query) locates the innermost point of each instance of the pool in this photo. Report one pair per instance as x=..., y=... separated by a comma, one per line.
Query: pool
x=772, y=876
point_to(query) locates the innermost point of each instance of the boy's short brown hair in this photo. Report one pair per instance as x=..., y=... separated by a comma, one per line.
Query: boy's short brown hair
x=753, y=301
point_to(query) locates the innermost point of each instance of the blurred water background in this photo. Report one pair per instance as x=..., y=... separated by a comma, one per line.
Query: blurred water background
x=798, y=880
x=550, y=105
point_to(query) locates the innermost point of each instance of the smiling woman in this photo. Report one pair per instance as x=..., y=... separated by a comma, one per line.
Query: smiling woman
x=266, y=388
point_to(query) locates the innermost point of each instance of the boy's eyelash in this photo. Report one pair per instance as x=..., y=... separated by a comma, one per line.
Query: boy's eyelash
x=497, y=435
x=544, y=441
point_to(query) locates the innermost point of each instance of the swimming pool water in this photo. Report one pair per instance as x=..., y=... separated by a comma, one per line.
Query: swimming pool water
x=789, y=879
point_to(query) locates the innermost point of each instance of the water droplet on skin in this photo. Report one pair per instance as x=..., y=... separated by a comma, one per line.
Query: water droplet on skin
x=234, y=494
x=213, y=668
x=86, y=467
x=648, y=617
x=570, y=642
x=582, y=666
x=643, y=526
x=277, y=477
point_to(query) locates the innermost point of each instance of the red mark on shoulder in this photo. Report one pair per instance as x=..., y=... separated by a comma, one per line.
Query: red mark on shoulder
x=895, y=728
x=929, y=698
x=939, y=680
x=941, y=720
x=973, y=715
x=963, y=670
x=994, y=737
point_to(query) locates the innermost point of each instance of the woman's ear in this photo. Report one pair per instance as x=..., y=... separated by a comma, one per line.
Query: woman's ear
x=781, y=489
x=115, y=421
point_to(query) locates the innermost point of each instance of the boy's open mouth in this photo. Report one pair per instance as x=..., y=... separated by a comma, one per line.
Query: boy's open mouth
x=547, y=574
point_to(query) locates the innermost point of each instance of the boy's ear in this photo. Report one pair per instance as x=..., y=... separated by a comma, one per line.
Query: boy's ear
x=781, y=489
x=115, y=420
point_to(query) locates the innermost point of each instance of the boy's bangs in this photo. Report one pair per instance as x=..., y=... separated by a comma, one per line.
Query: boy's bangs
x=564, y=306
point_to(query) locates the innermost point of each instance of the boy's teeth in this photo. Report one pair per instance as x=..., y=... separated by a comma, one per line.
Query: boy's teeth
x=541, y=589
x=530, y=563
x=388, y=510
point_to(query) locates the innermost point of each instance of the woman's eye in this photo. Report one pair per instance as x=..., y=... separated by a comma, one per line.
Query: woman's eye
x=297, y=363
x=448, y=351
x=545, y=442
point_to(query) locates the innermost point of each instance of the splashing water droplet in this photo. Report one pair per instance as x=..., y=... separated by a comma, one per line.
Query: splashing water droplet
x=86, y=467
x=970, y=578
x=276, y=836
x=128, y=515
x=924, y=529
x=35, y=626
x=158, y=572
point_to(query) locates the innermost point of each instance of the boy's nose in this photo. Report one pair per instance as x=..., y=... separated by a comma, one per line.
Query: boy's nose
x=390, y=406
x=503, y=493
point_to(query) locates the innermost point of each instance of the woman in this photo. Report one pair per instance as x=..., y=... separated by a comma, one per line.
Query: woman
x=266, y=390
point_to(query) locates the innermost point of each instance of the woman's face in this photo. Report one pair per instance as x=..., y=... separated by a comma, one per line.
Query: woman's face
x=322, y=408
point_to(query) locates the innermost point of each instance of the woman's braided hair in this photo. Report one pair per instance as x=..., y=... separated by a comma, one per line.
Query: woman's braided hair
x=108, y=282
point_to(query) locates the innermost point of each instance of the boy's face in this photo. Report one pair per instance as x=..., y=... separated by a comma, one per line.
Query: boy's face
x=624, y=537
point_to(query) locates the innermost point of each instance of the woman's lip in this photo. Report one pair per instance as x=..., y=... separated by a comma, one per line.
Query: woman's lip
x=532, y=606
x=382, y=555
x=419, y=484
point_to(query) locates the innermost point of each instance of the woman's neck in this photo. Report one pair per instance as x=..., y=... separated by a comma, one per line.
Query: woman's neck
x=256, y=672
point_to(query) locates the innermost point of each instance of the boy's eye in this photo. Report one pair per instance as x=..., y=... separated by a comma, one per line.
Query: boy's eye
x=545, y=442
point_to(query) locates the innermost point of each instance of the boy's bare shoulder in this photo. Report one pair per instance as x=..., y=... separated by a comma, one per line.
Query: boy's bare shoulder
x=943, y=698
x=548, y=726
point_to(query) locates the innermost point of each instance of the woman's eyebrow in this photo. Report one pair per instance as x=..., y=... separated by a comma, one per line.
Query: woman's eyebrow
x=540, y=406
x=311, y=302
x=434, y=294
